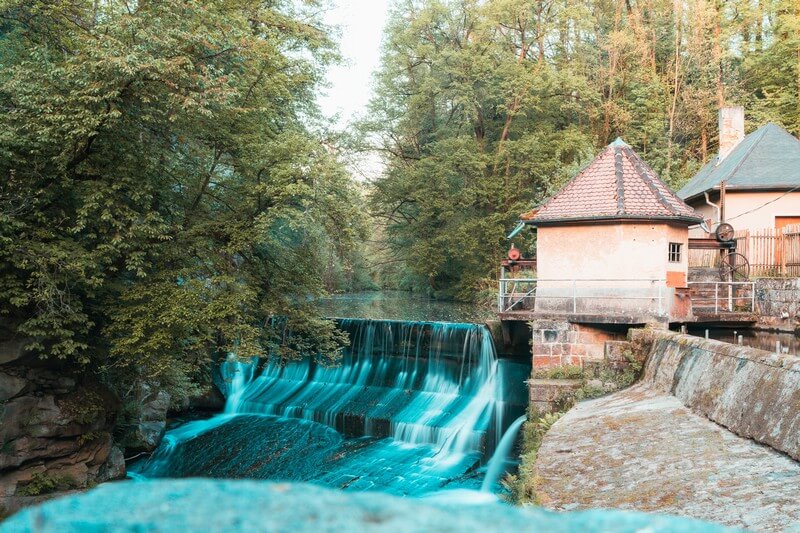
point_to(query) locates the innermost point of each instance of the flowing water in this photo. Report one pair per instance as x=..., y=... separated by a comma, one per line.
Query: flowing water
x=413, y=407
x=498, y=463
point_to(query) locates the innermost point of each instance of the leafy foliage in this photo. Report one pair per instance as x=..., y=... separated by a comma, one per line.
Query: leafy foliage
x=484, y=109
x=166, y=190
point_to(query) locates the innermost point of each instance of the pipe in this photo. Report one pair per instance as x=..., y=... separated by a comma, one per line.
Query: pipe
x=715, y=206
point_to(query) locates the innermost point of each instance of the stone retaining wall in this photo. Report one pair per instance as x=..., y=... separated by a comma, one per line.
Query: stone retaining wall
x=753, y=393
x=558, y=342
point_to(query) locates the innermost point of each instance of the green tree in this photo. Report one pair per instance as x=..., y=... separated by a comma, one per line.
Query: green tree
x=165, y=190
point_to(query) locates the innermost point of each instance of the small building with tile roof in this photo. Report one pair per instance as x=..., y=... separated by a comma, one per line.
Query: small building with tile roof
x=613, y=241
x=761, y=176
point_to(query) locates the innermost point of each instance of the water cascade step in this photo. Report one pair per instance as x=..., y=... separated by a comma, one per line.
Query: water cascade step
x=415, y=404
x=418, y=382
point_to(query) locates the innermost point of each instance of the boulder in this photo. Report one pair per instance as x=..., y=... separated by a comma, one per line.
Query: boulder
x=232, y=506
x=11, y=350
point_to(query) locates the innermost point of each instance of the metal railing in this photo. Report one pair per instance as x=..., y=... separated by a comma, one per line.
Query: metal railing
x=723, y=296
x=520, y=294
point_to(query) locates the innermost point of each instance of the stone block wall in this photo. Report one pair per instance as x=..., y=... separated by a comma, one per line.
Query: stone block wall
x=548, y=395
x=558, y=343
x=779, y=298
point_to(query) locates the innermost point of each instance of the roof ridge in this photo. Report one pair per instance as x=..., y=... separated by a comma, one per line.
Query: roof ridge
x=618, y=148
x=641, y=171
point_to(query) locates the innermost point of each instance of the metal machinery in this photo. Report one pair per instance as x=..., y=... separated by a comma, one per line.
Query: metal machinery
x=733, y=266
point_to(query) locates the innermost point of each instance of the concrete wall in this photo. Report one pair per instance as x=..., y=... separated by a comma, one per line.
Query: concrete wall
x=754, y=393
x=738, y=203
x=625, y=252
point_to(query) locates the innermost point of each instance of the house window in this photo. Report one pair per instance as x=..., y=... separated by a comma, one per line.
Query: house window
x=675, y=252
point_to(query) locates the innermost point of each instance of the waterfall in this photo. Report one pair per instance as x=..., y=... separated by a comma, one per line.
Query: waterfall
x=498, y=460
x=411, y=408
x=418, y=382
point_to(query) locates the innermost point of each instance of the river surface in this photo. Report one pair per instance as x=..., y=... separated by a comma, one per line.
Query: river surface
x=764, y=340
x=415, y=406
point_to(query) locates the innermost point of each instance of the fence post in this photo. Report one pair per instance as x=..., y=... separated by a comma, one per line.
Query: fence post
x=501, y=296
x=716, y=298
x=782, y=238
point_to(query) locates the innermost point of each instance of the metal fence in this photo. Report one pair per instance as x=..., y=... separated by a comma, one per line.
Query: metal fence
x=581, y=295
x=719, y=297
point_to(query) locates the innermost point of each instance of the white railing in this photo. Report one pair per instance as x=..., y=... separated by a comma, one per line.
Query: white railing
x=520, y=294
x=723, y=296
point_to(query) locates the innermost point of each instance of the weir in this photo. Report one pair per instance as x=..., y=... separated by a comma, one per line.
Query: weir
x=419, y=382
x=411, y=407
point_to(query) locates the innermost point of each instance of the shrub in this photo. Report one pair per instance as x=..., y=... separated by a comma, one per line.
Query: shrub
x=44, y=483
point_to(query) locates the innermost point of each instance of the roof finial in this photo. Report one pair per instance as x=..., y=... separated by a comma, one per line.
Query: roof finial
x=619, y=142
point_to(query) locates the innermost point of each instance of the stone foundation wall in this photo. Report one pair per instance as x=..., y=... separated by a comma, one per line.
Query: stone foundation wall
x=558, y=343
x=778, y=303
x=754, y=393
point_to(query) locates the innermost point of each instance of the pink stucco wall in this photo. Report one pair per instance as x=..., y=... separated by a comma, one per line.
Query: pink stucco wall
x=628, y=252
x=738, y=203
x=608, y=251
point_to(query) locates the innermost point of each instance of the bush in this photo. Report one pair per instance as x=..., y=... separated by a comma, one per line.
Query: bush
x=44, y=483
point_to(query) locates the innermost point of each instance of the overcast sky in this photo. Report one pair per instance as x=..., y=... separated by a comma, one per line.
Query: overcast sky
x=361, y=23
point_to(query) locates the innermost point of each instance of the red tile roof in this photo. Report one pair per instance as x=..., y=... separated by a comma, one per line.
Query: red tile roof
x=617, y=185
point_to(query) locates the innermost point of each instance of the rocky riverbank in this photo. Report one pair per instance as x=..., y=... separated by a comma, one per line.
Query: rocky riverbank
x=62, y=430
x=56, y=429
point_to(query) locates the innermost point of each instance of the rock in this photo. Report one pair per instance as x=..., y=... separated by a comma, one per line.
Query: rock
x=11, y=350
x=594, y=384
x=10, y=386
x=55, y=433
x=114, y=467
x=145, y=432
x=232, y=506
x=211, y=400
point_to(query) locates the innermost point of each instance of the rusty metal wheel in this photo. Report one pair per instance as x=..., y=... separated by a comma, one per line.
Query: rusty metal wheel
x=734, y=267
x=724, y=232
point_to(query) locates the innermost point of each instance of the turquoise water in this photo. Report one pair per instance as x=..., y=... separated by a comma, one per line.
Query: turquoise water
x=414, y=407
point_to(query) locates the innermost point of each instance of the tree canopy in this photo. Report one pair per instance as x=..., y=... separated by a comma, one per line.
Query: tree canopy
x=484, y=108
x=167, y=189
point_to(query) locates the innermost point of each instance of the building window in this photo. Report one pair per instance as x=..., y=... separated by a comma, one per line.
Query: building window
x=675, y=252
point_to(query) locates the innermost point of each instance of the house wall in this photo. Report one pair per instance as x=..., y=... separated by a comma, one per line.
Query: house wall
x=629, y=252
x=738, y=203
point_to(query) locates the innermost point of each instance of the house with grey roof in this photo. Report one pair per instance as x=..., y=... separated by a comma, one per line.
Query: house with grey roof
x=760, y=174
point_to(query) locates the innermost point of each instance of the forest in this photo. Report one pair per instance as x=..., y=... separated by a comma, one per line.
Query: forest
x=484, y=109
x=171, y=193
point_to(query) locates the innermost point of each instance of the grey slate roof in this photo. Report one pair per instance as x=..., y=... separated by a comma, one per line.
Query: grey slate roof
x=768, y=158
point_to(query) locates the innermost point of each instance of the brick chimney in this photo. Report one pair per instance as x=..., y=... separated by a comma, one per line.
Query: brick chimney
x=731, y=130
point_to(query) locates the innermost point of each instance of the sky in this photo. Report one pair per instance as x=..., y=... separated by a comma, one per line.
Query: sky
x=361, y=23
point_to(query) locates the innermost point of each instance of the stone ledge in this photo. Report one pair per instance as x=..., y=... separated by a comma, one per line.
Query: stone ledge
x=638, y=449
x=752, y=392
